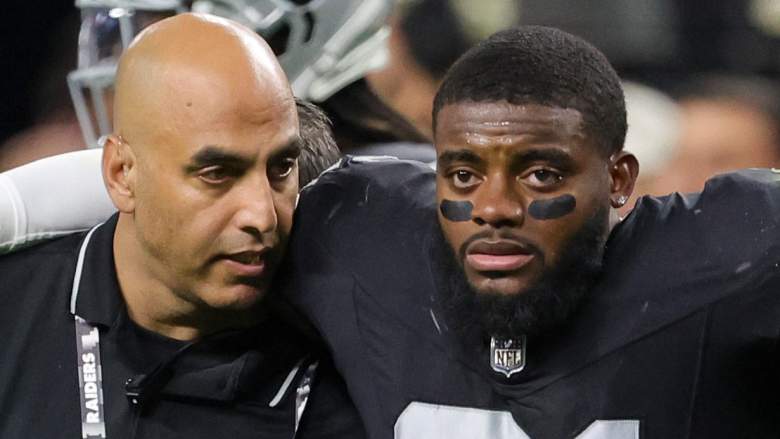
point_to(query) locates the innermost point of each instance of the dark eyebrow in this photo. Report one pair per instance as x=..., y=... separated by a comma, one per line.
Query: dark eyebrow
x=211, y=155
x=461, y=155
x=555, y=157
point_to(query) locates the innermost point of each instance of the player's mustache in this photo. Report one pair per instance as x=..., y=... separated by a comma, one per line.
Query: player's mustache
x=495, y=235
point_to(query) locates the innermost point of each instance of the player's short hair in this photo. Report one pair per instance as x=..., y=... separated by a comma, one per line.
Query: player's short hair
x=318, y=147
x=545, y=66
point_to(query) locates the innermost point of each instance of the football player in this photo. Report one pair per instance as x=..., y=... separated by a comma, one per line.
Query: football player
x=503, y=298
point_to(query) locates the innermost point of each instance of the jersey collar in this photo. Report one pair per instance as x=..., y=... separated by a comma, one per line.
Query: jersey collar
x=96, y=297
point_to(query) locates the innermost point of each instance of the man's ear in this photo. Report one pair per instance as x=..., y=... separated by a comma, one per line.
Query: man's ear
x=623, y=170
x=119, y=173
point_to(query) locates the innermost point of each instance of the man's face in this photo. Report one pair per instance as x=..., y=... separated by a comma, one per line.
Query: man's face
x=215, y=196
x=515, y=184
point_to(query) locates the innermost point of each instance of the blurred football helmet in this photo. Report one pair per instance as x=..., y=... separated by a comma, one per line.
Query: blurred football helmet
x=322, y=45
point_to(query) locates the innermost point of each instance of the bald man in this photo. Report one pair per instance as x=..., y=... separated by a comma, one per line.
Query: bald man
x=156, y=323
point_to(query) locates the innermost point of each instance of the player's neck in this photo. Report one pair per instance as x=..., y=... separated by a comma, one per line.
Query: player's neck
x=153, y=305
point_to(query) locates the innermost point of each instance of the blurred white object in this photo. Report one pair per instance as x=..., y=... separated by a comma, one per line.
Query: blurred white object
x=765, y=15
x=52, y=197
x=653, y=127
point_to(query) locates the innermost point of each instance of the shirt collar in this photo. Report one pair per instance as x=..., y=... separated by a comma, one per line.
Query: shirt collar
x=98, y=299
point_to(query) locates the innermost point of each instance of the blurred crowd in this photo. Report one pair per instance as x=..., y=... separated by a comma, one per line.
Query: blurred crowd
x=700, y=77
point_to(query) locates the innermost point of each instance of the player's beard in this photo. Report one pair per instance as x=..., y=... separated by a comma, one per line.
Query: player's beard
x=538, y=310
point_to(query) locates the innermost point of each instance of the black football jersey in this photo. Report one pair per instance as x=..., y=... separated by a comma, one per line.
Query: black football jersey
x=677, y=339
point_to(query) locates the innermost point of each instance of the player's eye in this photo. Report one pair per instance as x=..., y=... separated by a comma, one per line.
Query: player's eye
x=543, y=178
x=282, y=168
x=463, y=179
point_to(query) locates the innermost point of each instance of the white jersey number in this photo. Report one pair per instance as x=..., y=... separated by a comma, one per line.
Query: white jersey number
x=431, y=421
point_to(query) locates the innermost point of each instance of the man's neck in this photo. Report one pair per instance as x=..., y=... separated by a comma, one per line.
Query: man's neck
x=153, y=305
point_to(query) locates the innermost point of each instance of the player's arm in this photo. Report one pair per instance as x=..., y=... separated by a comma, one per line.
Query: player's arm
x=52, y=197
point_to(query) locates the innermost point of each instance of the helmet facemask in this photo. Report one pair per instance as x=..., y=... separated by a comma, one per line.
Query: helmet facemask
x=107, y=29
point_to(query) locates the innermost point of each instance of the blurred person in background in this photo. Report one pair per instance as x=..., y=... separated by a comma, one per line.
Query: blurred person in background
x=426, y=37
x=727, y=123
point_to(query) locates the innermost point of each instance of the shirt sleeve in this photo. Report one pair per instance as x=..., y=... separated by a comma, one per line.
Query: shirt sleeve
x=52, y=197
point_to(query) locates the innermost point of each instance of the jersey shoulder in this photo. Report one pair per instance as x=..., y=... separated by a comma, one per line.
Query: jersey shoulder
x=364, y=195
x=362, y=228
x=683, y=252
x=735, y=220
x=700, y=259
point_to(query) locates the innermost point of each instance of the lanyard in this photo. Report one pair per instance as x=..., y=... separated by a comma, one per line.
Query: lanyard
x=93, y=420
x=93, y=424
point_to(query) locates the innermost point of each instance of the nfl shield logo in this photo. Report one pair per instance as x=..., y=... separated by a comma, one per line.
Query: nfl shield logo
x=507, y=356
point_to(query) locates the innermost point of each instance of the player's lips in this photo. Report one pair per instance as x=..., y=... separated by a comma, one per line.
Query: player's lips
x=250, y=263
x=500, y=255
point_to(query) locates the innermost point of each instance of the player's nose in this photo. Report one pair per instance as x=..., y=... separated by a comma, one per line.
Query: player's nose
x=496, y=204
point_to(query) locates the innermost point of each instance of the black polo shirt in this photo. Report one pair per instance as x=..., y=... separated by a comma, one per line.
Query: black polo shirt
x=239, y=384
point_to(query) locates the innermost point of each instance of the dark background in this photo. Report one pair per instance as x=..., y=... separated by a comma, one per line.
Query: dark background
x=38, y=45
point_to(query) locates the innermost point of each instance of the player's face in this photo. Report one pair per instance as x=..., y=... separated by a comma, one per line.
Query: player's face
x=215, y=198
x=514, y=184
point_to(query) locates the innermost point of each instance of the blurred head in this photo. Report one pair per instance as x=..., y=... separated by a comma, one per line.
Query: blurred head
x=426, y=38
x=529, y=128
x=202, y=164
x=726, y=123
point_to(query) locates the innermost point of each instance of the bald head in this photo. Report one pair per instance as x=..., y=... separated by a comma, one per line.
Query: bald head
x=203, y=169
x=193, y=65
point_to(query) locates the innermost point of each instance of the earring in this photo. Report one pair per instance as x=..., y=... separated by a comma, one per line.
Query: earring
x=621, y=201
